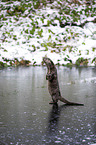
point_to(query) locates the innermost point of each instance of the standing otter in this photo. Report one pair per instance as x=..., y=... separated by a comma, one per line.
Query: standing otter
x=53, y=85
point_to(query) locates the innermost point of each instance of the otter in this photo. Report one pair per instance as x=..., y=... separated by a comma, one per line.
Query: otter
x=53, y=85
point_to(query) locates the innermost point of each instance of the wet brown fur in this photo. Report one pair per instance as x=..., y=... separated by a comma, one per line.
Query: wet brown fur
x=53, y=85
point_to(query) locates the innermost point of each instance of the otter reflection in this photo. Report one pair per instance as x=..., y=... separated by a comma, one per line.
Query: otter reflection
x=54, y=117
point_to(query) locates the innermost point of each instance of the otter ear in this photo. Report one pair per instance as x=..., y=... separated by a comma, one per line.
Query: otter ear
x=45, y=57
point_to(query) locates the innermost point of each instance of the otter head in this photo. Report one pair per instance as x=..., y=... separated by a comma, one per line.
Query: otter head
x=49, y=63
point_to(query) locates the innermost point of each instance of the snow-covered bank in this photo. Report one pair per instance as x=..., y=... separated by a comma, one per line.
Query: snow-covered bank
x=33, y=35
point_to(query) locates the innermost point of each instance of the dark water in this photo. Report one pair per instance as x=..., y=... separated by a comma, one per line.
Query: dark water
x=26, y=118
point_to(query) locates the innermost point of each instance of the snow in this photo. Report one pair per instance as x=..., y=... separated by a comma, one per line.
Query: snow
x=21, y=45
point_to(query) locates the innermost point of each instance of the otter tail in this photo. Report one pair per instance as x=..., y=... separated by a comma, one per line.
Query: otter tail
x=69, y=103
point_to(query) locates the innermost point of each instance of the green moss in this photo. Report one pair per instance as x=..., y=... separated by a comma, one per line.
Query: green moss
x=34, y=63
x=42, y=86
x=2, y=64
x=32, y=31
x=69, y=64
x=25, y=62
x=93, y=49
x=39, y=32
x=14, y=37
x=81, y=62
x=26, y=31
x=94, y=60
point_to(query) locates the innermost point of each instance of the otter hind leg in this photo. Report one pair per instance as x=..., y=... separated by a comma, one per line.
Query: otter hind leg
x=54, y=100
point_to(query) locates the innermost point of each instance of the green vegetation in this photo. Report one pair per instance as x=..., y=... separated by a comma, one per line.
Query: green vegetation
x=94, y=60
x=81, y=62
x=31, y=21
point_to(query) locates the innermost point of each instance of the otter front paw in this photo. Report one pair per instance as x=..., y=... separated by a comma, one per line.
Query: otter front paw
x=49, y=77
